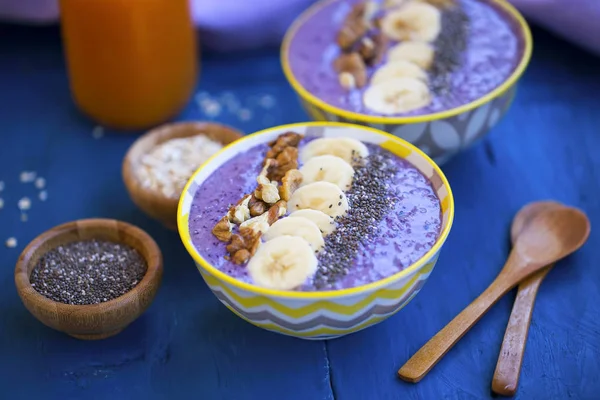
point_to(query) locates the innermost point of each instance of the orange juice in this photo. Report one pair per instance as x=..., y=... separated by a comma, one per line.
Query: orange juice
x=132, y=63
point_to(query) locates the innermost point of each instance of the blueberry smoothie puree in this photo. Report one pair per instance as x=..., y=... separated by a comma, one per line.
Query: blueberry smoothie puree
x=478, y=47
x=389, y=225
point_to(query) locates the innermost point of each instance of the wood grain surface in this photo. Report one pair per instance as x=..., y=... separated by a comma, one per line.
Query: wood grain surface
x=189, y=345
x=93, y=321
x=153, y=203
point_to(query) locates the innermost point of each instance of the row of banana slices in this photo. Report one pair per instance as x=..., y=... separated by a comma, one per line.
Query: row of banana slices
x=288, y=256
x=401, y=84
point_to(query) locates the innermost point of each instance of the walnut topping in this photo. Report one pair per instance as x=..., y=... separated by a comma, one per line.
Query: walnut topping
x=268, y=167
x=354, y=27
x=372, y=48
x=291, y=181
x=241, y=256
x=251, y=239
x=257, y=207
x=267, y=190
x=243, y=245
x=257, y=224
x=347, y=80
x=240, y=212
x=276, y=211
x=285, y=161
x=353, y=64
x=222, y=229
x=441, y=3
x=288, y=139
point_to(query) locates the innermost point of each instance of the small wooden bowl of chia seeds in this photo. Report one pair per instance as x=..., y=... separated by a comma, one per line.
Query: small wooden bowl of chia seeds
x=89, y=278
x=158, y=164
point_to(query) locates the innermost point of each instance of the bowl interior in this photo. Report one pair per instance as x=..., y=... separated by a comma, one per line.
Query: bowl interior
x=503, y=6
x=392, y=143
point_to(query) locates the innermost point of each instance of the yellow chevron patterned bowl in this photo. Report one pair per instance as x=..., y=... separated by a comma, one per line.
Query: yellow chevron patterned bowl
x=326, y=314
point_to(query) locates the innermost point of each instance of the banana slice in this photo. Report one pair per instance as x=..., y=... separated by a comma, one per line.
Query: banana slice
x=320, y=196
x=420, y=53
x=327, y=168
x=397, y=96
x=283, y=263
x=413, y=21
x=325, y=223
x=398, y=69
x=301, y=227
x=345, y=148
x=387, y=4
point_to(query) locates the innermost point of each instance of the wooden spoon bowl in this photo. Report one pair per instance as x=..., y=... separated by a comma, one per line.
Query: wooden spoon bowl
x=153, y=203
x=94, y=321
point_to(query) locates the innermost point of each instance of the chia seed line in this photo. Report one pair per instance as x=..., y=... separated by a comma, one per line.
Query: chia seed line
x=88, y=272
x=370, y=199
x=449, y=46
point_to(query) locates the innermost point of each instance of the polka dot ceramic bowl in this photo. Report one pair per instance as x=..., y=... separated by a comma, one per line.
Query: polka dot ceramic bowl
x=440, y=135
x=325, y=314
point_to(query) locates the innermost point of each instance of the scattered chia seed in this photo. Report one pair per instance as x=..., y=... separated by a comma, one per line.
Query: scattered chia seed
x=370, y=199
x=88, y=272
x=11, y=242
x=43, y=195
x=449, y=46
x=1, y=203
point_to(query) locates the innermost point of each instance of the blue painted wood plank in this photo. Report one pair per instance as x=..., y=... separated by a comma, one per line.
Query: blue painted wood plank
x=189, y=344
x=545, y=148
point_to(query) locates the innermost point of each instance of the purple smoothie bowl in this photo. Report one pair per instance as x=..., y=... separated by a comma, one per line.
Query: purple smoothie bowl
x=321, y=314
x=498, y=50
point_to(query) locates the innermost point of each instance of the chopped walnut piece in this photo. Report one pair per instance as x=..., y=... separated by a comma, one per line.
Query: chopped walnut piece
x=288, y=139
x=222, y=230
x=244, y=245
x=285, y=161
x=267, y=190
x=290, y=182
x=240, y=211
x=441, y=3
x=241, y=256
x=257, y=207
x=372, y=48
x=354, y=27
x=257, y=224
x=353, y=64
x=276, y=211
x=251, y=239
x=237, y=243
x=347, y=81
x=269, y=165
x=371, y=10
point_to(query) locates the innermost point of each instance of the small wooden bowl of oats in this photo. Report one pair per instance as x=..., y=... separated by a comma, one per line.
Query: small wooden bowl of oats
x=159, y=163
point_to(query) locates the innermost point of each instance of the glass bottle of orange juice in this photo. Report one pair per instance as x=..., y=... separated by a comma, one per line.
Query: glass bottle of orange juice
x=132, y=63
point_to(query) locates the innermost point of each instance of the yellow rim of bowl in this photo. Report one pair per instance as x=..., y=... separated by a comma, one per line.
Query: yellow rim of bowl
x=184, y=232
x=315, y=101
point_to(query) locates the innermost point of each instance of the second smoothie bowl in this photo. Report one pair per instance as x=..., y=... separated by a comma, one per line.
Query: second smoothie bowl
x=437, y=73
x=316, y=230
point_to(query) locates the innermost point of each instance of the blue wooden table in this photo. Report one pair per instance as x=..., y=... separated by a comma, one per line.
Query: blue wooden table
x=187, y=345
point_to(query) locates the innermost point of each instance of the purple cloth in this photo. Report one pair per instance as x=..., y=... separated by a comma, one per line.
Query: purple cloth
x=230, y=25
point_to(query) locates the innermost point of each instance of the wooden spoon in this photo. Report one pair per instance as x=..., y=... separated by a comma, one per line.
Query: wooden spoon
x=550, y=236
x=508, y=368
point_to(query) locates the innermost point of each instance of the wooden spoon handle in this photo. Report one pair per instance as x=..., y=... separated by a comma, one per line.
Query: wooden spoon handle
x=508, y=368
x=423, y=360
